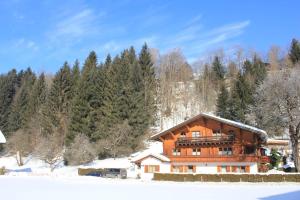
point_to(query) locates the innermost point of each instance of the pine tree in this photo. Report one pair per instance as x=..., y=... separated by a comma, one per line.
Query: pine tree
x=55, y=112
x=218, y=69
x=8, y=85
x=21, y=109
x=294, y=53
x=223, y=103
x=259, y=70
x=241, y=98
x=148, y=83
x=81, y=121
x=75, y=77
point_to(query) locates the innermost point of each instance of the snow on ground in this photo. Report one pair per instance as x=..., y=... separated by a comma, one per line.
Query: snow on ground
x=77, y=188
x=40, y=168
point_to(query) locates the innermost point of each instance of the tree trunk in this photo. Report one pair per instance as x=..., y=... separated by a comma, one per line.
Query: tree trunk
x=295, y=149
x=19, y=158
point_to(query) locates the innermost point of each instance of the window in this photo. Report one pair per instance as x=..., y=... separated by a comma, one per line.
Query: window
x=190, y=168
x=217, y=132
x=175, y=168
x=242, y=169
x=182, y=134
x=231, y=132
x=176, y=152
x=249, y=150
x=196, y=152
x=225, y=151
x=223, y=169
x=235, y=169
x=196, y=134
x=151, y=168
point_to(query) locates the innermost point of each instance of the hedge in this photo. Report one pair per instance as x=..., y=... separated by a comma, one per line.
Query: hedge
x=90, y=172
x=227, y=177
x=2, y=170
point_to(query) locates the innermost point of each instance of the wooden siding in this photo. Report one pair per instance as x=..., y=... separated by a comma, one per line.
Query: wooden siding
x=210, y=153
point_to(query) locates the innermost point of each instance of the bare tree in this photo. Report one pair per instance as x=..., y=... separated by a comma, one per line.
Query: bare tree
x=20, y=144
x=80, y=151
x=175, y=76
x=278, y=106
x=50, y=150
x=116, y=142
x=274, y=58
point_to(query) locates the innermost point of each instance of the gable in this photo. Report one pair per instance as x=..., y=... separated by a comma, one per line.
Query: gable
x=204, y=121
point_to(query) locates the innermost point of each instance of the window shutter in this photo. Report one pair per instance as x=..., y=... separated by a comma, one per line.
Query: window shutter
x=227, y=168
x=234, y=169
x=181, y=169
x=156, y=168
x=219, y=169
x=248, y=169
x=194, y=168
x=146, y=168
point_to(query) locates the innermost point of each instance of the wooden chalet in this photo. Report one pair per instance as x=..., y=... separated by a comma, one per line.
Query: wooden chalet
x=207, y=144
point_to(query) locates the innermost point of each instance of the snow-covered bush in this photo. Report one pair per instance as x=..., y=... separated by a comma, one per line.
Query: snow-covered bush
x=81, y=151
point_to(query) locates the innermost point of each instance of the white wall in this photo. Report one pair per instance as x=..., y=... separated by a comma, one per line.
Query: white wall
x=164, y=167
x=209, y=168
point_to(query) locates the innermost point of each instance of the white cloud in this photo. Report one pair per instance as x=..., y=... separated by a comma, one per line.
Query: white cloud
x=25, y=44
x=76, y=26
x=194, y=38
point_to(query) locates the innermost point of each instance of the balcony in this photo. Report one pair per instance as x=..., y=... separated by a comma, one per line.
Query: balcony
x=204, y=141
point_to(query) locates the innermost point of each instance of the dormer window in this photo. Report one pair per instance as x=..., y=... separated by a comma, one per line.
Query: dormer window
x=217, y=132
x=196, y=134
x=182, y=134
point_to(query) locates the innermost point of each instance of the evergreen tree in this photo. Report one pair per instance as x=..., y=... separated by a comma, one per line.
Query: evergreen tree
x=294, y=53
x=39, y=93
x=56, y=110
x=259, y=70
x=21, y=110
x=8, y=85
x=241, y=98
x=223, y=106
x=81, y=121
x=218, y=69
x=75, y=77
x=148, y=83
x=107, y=113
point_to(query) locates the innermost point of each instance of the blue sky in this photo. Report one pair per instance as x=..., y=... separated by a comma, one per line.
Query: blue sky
x=43, y=34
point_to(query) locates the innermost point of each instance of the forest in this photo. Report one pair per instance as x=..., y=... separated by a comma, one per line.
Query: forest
x=109, y=108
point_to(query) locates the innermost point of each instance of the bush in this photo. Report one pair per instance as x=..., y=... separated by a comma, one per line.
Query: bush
x=2, y=170
x=81, y=151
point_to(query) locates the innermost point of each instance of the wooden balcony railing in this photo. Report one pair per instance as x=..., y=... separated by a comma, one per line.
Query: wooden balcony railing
x=204, y=140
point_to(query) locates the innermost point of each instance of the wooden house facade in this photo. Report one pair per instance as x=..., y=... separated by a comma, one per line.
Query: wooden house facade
x=207, y=144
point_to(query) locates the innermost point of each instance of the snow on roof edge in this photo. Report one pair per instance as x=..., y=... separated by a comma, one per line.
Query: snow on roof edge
x=263, y=135
x=158, y=156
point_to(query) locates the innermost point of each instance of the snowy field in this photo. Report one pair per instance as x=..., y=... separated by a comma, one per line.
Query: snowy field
x=90, y=188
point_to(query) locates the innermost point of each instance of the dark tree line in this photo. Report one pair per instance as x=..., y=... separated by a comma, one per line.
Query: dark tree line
x=91, y=100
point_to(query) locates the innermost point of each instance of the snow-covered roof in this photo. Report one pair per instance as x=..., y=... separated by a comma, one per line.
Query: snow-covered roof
x=2, y=138
x=261, y=133
x=149, y=154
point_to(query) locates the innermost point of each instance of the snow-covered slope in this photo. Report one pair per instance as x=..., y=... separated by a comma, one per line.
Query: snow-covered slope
x=39, y=167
